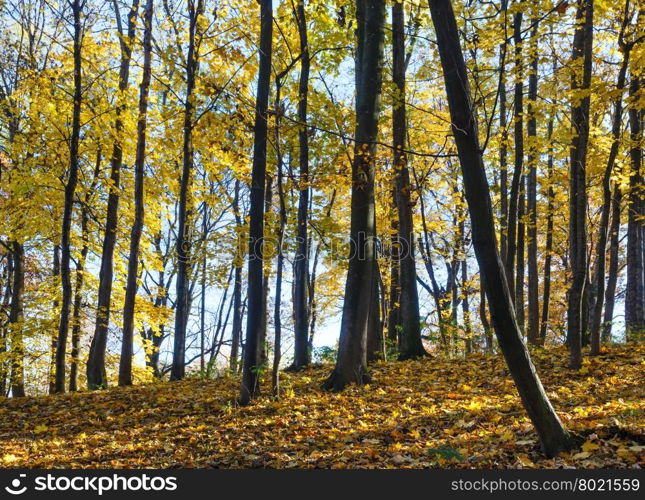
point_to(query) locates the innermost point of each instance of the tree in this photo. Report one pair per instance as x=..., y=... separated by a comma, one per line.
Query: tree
x=302, y=354
x=409, y=325
x=255, y=311
x=183, y=243
x=553, y=437
x=125, y=366
x=351, y=362
x=70, y=193
x=580, y=84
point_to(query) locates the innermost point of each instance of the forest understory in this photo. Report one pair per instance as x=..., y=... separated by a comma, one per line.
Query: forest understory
x=433, y=412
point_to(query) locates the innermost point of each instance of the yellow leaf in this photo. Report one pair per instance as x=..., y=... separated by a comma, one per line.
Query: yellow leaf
x=590, y=446
x=40, y=429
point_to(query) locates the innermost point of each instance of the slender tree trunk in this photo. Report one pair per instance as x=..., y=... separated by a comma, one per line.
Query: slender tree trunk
x=127, y=347
x=599, y=278
x=16, y=312
x=236, y=333
x=519, y=275
x=635, y=291
x=255, y=315
x=410, y=345
x=518, y=119
x=546, y=296
x=488, y=334
x=612, y=274
x=263, y=342
x=553, y=436
x=96, y=376
x=70, y=192
x=54, y=337
x=577, y=188
x=503, y=153
x=183, y=244
x=533, y=310
x=302, y=352
x=351, y=363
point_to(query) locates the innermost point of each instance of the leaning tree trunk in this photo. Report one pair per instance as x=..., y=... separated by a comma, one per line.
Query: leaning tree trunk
x=70, y=193
x=577, y=183
x=183, y=249
x=302, y=352
x=127, y=347
x=612, y=272
x=351, y=363
x=409, y=326
x=250, y=387
x=553, y=436
x=96, y=376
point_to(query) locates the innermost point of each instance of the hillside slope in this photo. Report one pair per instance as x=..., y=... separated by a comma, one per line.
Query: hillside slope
x=427, y=413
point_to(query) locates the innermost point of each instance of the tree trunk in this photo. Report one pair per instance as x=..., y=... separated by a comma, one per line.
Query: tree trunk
x=127, y=347
x=70, y=192
x=351, y=363
x=96, y=376
x=546, y=296
x=302, y=352
x=409, y=328
x=54, y=337
x=533, y=310
x=255, y=315
x=236, y=333
x=183, y=244
x=599, y=278
x=16, y=312
x=635, y=291
x=612, y=274
x=553, y=436
x=577, y=183
x=518, y=119
x=519, y=276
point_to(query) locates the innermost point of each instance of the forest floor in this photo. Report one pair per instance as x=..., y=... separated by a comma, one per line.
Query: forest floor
x=428, y=413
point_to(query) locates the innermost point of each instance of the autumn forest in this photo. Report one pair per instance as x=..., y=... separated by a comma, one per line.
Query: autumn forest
x=322, y=233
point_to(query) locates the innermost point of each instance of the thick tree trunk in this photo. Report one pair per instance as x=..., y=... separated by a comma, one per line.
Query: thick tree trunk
x=302, y=352
x=351, y=363
x=96, y=376
x=553, y=436
x=127, y=347
x=577, y=183
x=70, y=192
x=183, y=244
x=409, y=326
x=255, y=315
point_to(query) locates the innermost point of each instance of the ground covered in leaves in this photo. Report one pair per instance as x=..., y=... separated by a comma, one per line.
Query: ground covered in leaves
x=428, y=413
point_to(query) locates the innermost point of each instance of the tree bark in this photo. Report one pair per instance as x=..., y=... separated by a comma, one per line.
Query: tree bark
x=409, y=326
x=351, y=363
x=255, y=314
x=546, y=294
x=554, y=438
x=183, y=244
x=533, y=310
x=127, y=347
x=302, y=351
x=68, y=207
x=236, y=333
x=16, y=314
x=96, y=376
x=577, y=183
